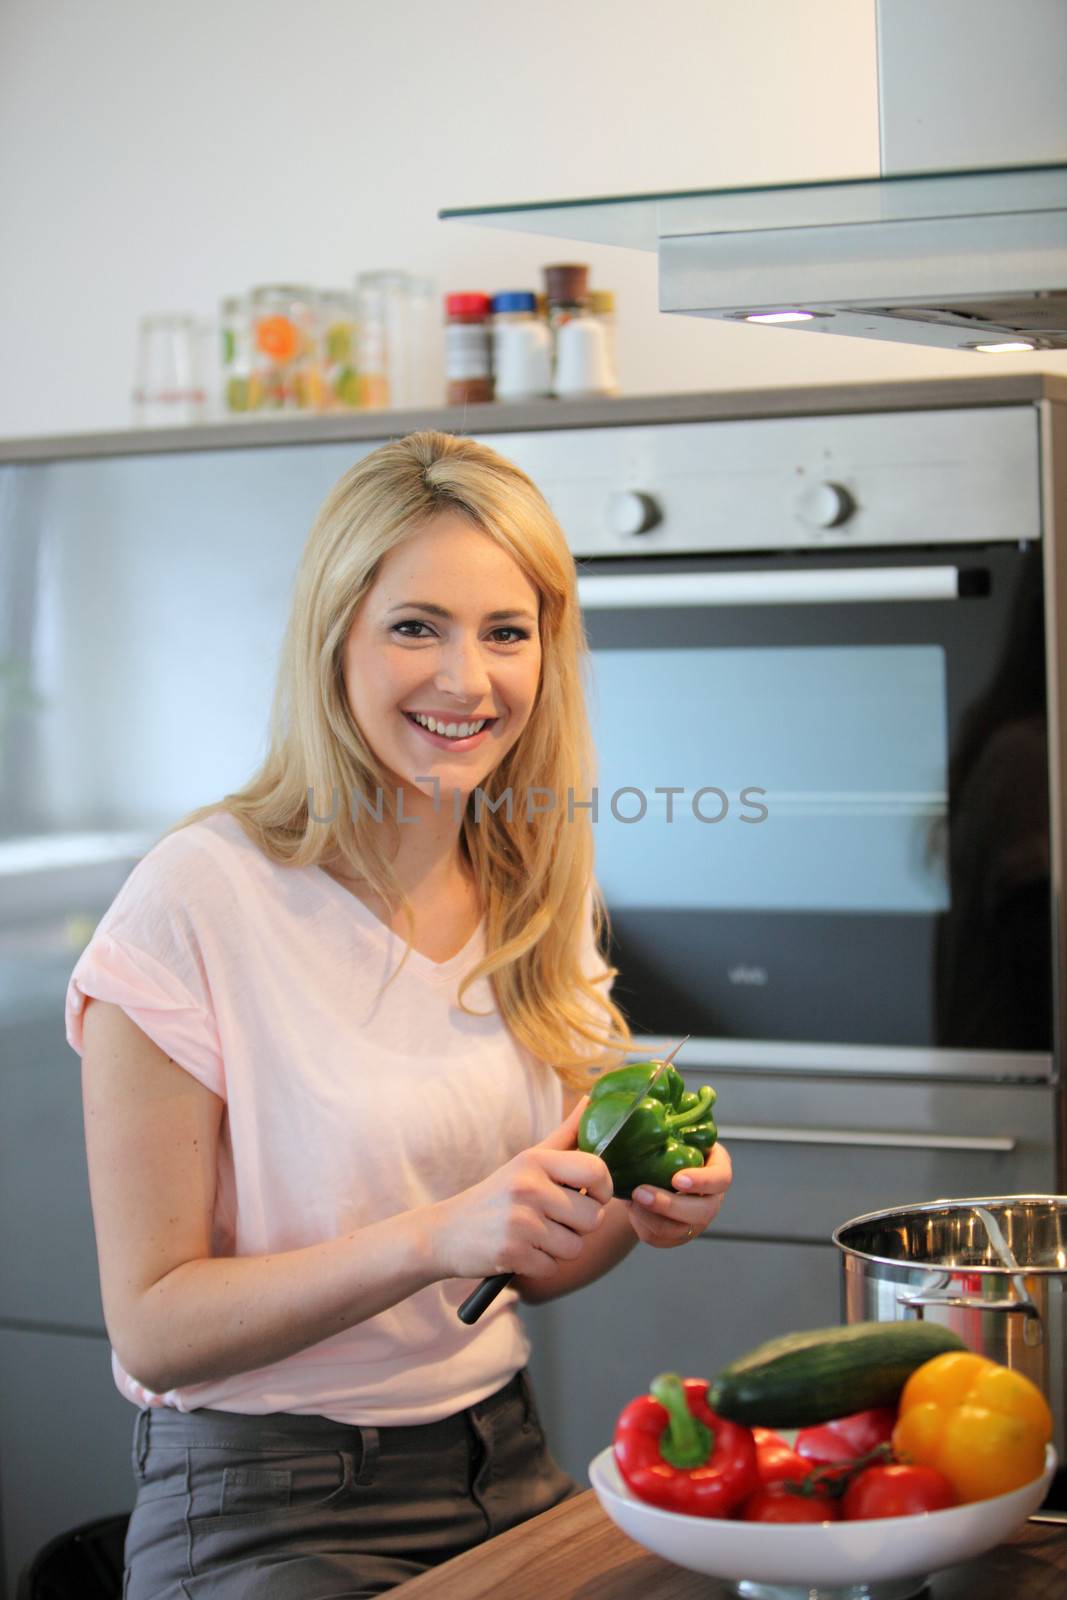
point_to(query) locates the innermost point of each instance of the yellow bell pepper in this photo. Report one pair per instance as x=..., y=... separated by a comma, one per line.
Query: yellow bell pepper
x=983, y=1425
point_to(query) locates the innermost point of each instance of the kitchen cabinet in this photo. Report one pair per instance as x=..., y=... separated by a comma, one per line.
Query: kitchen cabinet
x=65, y=1431
x=48, y=1272
x=65, y=1439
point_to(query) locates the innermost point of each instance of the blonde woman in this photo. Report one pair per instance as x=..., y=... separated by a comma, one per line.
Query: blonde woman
x=335, y=1031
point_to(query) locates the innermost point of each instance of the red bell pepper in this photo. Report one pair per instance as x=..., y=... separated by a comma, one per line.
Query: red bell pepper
x=846, y=1438
x=673, y=1451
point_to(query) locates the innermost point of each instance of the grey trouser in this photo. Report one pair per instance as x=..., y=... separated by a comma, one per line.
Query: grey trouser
x=287, y=1507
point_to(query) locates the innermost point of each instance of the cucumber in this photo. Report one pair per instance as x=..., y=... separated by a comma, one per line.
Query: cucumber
x=804, y=1378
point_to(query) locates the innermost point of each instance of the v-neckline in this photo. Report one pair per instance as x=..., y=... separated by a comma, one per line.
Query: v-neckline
x=387, y=934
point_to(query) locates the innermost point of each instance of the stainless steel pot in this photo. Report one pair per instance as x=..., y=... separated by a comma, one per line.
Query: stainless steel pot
x=994, y=1270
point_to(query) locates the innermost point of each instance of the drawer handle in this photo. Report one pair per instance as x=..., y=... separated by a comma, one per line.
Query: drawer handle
x=881, y=1141
x=599, y=591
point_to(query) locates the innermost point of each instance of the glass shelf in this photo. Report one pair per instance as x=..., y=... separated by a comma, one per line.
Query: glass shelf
x=642, y=221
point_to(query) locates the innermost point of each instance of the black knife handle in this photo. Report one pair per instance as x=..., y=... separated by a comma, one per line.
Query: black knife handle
x=481, y=1299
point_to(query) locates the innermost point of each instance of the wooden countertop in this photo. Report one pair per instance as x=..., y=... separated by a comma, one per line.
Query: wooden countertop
x=574, y=1552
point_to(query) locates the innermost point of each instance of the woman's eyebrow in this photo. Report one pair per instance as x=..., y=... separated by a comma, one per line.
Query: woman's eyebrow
x=439, y=611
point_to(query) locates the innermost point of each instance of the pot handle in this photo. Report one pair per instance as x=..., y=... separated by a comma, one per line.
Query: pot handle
x=1033, y=1332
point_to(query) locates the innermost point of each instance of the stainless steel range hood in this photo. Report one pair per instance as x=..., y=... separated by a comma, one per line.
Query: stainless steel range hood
x=959, y=242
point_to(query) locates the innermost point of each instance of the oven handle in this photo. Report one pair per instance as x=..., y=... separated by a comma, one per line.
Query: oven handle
x=882, y=1141
x=608, y=591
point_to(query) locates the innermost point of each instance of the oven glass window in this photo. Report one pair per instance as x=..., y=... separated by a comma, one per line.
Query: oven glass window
x=776, y=779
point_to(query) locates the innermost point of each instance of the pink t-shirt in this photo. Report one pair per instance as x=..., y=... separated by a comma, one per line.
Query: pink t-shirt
x=343, y=1105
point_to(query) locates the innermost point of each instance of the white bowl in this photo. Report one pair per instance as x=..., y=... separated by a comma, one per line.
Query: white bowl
x=828, y=1553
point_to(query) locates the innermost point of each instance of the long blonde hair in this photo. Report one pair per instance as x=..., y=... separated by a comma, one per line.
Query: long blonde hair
x=534, y=874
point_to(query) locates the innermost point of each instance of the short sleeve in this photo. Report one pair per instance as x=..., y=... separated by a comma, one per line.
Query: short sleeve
x=145, y=957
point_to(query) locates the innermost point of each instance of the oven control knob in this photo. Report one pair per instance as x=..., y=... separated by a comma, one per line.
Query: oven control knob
x=825, y=505
x=631, y=511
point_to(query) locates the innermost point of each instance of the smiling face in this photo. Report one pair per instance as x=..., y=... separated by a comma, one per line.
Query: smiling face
x=447, y=632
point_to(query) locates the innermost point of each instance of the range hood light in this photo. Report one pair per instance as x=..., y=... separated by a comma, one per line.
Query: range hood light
x=780, y=316
x=1003, y=349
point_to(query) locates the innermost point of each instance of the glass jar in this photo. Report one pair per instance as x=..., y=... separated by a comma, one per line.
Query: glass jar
x=238, y=387
x=468, y=369
x=168, y=388
x=380, y=335
x=425, y=375
x=337, y=337
x=284, y=348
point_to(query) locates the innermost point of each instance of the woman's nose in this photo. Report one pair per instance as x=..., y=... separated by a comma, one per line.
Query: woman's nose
x=461, y=670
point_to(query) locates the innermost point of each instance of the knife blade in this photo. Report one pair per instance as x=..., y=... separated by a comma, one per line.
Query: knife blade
x=481, y=1298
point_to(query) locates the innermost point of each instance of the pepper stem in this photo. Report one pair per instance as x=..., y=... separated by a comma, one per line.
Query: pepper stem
x=685, y=1119
x=685, y=1441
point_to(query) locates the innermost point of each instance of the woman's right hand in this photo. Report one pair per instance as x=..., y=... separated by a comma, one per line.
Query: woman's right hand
x=528, y=1215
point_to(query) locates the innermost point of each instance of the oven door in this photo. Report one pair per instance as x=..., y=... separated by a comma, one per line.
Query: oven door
x=822, y=814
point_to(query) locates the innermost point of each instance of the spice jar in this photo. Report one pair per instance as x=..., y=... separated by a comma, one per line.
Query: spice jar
x=584, y=363
x=522, y=348
x=566, y=292
x=468, y=373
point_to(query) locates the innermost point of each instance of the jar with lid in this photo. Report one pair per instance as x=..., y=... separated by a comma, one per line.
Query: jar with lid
x=337, y=349
x=522, y=348
x=285, y=367
x=566, y=292
x=585, y=364
x=468, y=370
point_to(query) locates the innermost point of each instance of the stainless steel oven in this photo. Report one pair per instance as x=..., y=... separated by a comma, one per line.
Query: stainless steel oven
x=823, y=803
x=819, y=701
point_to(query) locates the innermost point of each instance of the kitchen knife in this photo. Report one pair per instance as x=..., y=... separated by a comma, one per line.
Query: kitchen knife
x=481, y=1298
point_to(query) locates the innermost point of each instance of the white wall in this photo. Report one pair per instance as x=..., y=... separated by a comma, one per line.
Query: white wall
x=158, y=156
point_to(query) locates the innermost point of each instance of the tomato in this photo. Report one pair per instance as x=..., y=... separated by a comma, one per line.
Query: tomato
x=773, y=1503
x=777, y=1463
x=896, y=1492
x=846, y=1438
x=767, y=1436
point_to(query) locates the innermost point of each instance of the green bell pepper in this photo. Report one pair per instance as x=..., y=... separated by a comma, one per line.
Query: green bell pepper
x=671, y=1129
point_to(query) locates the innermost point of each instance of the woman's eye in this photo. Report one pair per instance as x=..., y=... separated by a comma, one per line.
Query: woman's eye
x=413, y=622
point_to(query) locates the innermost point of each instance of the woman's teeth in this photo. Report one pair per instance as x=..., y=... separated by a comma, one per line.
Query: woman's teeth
x=449, y=730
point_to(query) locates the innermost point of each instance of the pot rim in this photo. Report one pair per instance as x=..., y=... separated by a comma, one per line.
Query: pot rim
x=948, y=1204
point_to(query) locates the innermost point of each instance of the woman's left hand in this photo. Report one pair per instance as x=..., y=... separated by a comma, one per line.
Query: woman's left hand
x=676, y=1215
